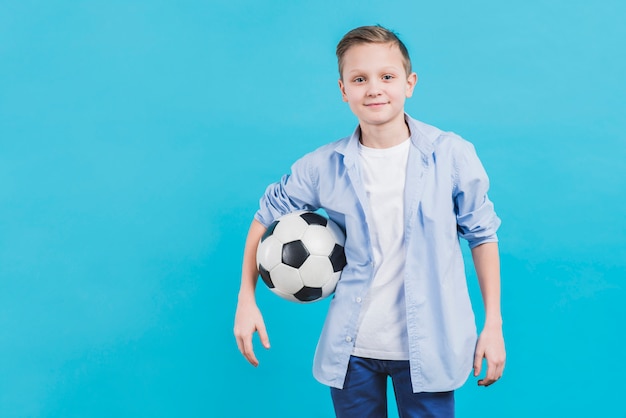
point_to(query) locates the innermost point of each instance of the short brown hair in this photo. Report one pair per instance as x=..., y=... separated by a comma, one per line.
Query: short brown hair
x=371, y=35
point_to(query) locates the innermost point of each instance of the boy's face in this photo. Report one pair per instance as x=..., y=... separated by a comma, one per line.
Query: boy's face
x=375, y=84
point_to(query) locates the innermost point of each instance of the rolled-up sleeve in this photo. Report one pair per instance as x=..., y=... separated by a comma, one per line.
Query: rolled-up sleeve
x=295, y=191
x=477, y=221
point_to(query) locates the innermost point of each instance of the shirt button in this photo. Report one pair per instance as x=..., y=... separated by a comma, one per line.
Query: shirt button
x=348, y=339
x=358, y=300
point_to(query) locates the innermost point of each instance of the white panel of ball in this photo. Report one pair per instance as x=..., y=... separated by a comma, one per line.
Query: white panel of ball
x=285, y=295
x=290, y=228
x=318, y=241
x=316, y=271
x=330, y=285
x=270, y=252
x=337, y=233
x=286, y=278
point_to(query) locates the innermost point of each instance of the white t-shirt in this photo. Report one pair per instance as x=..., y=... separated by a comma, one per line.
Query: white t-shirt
x=382, y=332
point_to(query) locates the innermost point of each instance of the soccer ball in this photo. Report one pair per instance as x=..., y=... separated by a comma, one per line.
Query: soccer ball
x=301, y=255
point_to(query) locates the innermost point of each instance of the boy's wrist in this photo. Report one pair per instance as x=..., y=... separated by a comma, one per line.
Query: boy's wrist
x=246, y=295
x=493, y=323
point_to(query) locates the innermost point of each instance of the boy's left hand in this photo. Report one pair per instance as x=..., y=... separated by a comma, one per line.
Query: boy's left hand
x=490, y=346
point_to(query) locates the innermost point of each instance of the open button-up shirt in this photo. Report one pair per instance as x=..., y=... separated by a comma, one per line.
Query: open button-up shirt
x=445, y=198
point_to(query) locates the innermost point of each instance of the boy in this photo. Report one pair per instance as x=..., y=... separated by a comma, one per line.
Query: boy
x=404, y=192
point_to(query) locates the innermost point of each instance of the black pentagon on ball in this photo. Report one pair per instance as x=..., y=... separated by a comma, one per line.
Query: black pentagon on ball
x=338, y=258
x=294, y=253
x=313, y=218
x=265, y=275
x=308, y=294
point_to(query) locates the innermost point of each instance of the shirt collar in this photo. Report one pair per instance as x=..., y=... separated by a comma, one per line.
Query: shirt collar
x=422, y=137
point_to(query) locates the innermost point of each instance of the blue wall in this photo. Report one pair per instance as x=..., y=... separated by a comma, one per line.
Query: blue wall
x=136, y=138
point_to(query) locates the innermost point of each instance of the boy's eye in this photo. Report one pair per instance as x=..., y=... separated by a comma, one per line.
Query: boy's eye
x=359, y=79
x=387, y=77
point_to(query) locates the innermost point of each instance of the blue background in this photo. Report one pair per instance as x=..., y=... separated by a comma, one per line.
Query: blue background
x=137, y=136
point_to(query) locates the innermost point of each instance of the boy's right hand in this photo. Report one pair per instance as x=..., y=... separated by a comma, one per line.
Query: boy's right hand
x=248, y=319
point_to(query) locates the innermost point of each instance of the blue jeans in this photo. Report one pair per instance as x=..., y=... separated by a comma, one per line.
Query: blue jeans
x=364, y=394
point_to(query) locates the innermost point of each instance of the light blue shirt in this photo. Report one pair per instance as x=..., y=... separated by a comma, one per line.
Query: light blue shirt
x=445, y=198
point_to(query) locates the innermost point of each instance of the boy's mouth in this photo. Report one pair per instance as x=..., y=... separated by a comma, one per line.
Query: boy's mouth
x=377, y=104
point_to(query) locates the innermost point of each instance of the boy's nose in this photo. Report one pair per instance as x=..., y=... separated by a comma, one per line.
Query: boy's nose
x=373, y=88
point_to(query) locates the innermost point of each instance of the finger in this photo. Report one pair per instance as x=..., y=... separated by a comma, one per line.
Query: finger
x=244, y=344
x=496, y=369
x=499, y=371
x=248, y=351
x=485, y=382
x=493, y=374
x=239, y=344
x=265, y=340
x=490, y=374
x=240, y=337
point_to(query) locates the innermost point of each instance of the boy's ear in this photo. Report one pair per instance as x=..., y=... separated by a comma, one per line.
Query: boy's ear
x=411, y=82
x=342, y=87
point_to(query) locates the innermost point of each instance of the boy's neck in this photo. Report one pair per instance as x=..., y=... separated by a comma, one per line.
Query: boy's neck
x=384, y=136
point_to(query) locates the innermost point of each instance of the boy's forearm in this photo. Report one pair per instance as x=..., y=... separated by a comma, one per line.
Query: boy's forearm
x=248, y=318
x=249, y=271
x=487, y=263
